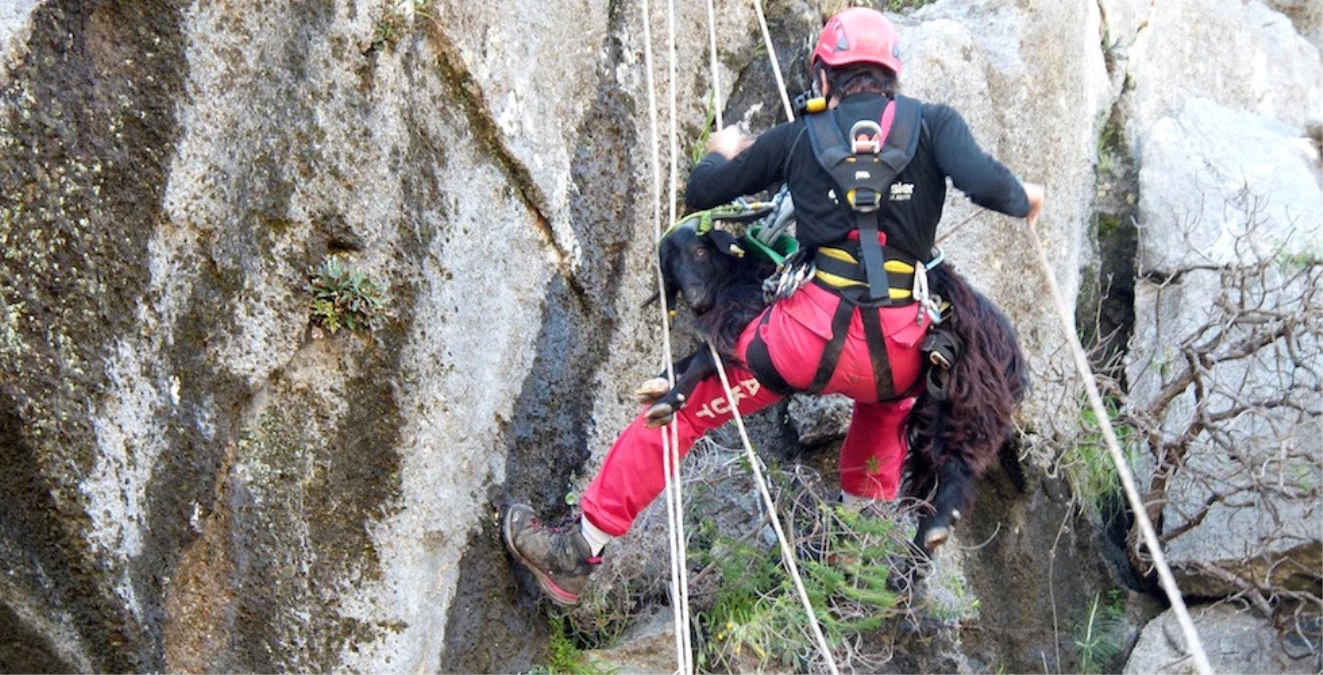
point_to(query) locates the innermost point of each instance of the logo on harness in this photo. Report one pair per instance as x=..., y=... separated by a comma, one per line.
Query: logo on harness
x=721, y=406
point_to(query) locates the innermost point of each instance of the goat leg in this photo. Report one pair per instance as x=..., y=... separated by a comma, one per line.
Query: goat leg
x=955, y=487
x=653, y=389
x=697, y=366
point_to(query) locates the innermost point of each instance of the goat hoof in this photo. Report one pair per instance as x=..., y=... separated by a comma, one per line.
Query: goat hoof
x=651, y=390
x=934, y=538
x=660, y=415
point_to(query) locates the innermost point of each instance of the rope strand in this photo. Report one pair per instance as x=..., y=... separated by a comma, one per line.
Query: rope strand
x=1165, y=577
x=681, y=631
x=787, y=554
x=776, y=66
x=712, y=47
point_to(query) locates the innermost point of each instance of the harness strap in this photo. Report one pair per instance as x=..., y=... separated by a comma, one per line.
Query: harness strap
x=864, y=165
x=872, y=255
x=831, y=353
x=760, y=362
x=877, y=354
x=838, y=269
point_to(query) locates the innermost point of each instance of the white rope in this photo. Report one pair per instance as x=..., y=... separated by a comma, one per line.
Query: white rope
x=679, y=559
x=675, y=133
x=712, y=47
x=1168, y=582
x=679, y=619
x=787, y=554
x=776, y=67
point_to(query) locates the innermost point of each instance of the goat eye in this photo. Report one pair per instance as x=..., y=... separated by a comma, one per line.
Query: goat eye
x=700, y=253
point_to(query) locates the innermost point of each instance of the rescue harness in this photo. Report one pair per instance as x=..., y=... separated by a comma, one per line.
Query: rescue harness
x=864, y=272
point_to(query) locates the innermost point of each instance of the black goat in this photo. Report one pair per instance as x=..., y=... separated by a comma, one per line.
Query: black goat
x=723, y=288
x=952, y=438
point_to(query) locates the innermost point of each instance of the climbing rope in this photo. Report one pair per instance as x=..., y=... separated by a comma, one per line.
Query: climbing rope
x=1165, y=577
x=680, y=557
x=771, y=55
x=787, y=553
x=712, y=49
x=679, y=609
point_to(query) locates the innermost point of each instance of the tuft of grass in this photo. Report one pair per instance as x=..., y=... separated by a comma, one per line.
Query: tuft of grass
x=344, y=297
x=700, y=146
x=1097, y=634
x=1091, y=472
x=904, y=5
x=566, y=657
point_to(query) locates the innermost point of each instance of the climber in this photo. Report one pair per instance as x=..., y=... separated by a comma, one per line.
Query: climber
x=867, y=212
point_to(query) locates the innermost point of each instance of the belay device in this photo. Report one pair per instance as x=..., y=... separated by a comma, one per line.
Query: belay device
x=864, y=166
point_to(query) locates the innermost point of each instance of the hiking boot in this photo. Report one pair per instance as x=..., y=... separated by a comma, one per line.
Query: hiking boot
x=560, y=558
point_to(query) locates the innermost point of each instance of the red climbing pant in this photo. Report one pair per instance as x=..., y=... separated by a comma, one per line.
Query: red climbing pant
x=796, y=332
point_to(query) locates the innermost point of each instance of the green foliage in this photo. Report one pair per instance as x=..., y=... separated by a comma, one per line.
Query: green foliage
x=904, y=5
x=1296, y=262
x=700, y=146
x=343, y=297
x=391, y=26
x=566, y=657
x=1097, y=635
x=1091, y=470
x=844, y=561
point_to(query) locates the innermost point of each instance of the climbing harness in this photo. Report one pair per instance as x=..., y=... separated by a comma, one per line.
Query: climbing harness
x=864, y=166
x=941, y=349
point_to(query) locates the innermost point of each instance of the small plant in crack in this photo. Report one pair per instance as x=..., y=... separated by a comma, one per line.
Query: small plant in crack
x=391, y=26
x=345, y=297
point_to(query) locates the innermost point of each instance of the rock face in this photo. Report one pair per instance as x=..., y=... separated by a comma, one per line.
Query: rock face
x=1227, y=314
x=199, y=480
x=1235, y=642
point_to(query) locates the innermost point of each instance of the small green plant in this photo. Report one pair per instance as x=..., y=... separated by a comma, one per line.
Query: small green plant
x=1096, y=634
x=344, y=297
x=391, y=26
x=904, y=5
x=566, y=657
x=700, y=146
x=757, y=618
x=1091, y=471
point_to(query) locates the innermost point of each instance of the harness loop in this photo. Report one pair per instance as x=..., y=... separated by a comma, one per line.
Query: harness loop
x=928, y=301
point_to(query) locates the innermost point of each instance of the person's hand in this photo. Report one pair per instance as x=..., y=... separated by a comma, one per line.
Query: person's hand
x=728, y=142
x=1036, y=193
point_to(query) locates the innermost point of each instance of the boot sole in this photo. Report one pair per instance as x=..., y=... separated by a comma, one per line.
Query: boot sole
x=555, y=593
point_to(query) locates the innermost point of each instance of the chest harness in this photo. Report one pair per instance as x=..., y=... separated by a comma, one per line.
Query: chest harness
x=863, y=166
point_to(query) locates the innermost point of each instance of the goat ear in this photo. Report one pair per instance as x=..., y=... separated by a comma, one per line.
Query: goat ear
x=726, y=243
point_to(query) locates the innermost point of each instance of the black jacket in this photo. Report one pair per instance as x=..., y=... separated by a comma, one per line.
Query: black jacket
x=785, y=154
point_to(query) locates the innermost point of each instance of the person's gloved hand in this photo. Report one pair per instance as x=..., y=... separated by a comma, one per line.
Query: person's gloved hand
x=1036, y=193
x=728, y=142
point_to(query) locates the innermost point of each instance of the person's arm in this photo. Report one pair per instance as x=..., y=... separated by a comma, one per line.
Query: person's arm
x=983, y=179
x=736, y=165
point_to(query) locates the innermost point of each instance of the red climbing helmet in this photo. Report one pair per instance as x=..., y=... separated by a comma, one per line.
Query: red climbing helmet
x=858, y=35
